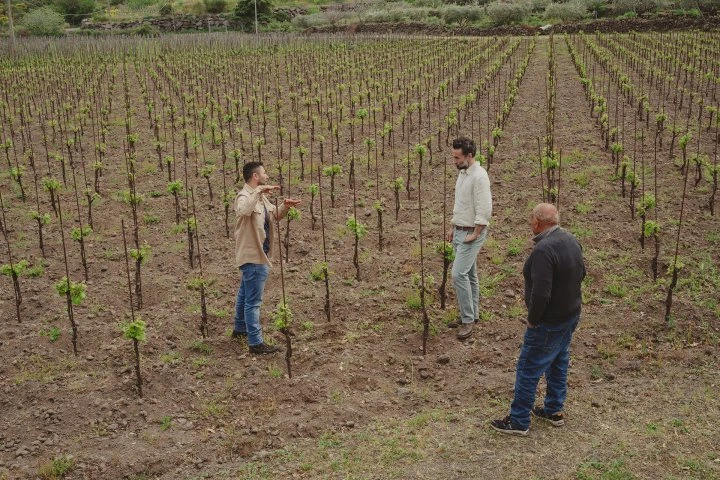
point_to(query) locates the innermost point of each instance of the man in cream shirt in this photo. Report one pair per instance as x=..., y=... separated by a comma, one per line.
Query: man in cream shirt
x=468, y=232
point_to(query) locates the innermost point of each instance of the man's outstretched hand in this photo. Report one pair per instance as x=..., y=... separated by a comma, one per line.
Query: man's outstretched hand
x=267, y=188
x=291, y=202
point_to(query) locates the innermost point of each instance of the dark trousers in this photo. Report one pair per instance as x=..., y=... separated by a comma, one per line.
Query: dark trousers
x=545, y=350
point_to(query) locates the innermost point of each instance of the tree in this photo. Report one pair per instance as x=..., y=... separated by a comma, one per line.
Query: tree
x=75, y=10
x=245, y=10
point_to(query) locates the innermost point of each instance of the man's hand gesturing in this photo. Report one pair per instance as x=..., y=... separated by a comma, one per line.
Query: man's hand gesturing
x=267, y=188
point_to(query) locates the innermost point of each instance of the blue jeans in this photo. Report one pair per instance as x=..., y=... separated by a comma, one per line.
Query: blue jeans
x=464, y=274
x=249, y=299
x=545, y=350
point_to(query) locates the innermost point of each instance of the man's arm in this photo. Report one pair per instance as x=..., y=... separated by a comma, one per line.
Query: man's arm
x=482, y=201
x=287, y=204
x=245, y=203
x=541, y=274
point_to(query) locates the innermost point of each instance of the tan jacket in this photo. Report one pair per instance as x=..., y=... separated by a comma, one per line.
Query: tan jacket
x=250, y=226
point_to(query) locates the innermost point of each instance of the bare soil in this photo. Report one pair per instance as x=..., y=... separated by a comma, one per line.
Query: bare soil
x=364, y=402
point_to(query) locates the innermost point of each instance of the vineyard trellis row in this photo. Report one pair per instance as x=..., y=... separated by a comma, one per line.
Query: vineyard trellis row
x=165, y=121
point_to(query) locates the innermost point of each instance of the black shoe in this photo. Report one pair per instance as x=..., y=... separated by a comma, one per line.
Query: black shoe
x=237, y=334
x=263, y=349
x=508, y=427
x=556, y=419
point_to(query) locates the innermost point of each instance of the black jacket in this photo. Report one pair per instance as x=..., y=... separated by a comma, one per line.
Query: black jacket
x=553, y=273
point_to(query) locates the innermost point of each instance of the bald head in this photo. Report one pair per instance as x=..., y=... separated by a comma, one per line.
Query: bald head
x=544, y=216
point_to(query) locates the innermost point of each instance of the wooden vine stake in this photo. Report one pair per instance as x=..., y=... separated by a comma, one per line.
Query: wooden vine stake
x=283, y=315
x=74, y=292
x=13, y=270
x=200, y=283
x=445, y=248
x=675, y=267
x=420, y=150
x=325, y=271
x=134, y=329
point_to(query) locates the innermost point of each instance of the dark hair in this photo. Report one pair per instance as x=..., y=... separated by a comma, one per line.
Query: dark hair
x=250, y=168
x=465, y=144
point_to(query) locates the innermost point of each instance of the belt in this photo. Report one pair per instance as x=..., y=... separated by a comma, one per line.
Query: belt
x=464, y=229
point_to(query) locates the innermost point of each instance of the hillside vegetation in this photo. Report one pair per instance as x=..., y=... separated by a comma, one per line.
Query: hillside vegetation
x=52, y=17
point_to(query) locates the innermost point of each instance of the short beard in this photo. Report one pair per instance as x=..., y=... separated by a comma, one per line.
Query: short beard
x=461, y=167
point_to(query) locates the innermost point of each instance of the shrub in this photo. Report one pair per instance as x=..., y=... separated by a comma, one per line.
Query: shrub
x=140, y=4
x=75, y=10
x=567, y=12
x=145, y=30
x=598, y=8
x=458, y=14
x=303, y=22
x=705, y=6
x=501, y=13
x=165, y=9
x=539, y=5
x=639, y=6
x=44, y=21
x=417, y=14
x=215, y=6
x=428, y=3
x=245, y=9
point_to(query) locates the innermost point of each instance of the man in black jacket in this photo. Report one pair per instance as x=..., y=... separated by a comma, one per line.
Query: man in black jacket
x=553, y=273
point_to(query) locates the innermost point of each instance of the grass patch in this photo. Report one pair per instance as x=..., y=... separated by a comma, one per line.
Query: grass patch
x=57, y=468
x=612, y=470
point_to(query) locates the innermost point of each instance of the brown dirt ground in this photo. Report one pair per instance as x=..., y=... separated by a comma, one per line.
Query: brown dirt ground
x=364, y=402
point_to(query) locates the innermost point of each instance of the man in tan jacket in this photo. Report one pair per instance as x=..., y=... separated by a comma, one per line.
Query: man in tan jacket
x=253, y=248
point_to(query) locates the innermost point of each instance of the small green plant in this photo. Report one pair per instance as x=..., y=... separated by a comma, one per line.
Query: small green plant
x=356, y=228
x=57, y=468
x=150, y=219
x=583, y=208
x=293, y=214
x=319, y=271
x=582, y=179
x=53, y=333
x=197, y=282
x=134, y=330
x=42, y=219
x=282, y=316
x=165, y=422
x=413, y=300
x=515, y=247
x=80, y=232
x=200, y=346
x=16, y=269
x=646, y=203
x=132, y=199
x=142, y=254
x=446, y=250
x=274, y=371
x=332, y=170
x=307, y=326
x=76, y=289
x=617, y=288
x=170, y=358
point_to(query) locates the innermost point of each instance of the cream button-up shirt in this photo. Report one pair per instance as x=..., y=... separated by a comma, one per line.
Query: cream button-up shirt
x=473, y=200
x=250, y=207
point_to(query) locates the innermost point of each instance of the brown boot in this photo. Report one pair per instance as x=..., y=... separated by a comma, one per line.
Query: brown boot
x=458, y=323
x=465, y=331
